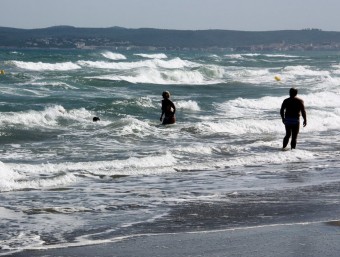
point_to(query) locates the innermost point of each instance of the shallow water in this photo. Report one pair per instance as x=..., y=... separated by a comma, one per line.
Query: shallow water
x=66, y=180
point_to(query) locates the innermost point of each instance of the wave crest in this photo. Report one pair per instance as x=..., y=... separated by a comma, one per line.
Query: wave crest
x=40, y=66
x=113, y=56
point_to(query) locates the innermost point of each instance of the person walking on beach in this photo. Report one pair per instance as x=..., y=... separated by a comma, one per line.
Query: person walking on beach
x=290, y=114
x=168, y=109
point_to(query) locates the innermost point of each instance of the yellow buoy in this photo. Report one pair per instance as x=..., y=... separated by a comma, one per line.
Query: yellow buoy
x=277, y=78
x=2, y=72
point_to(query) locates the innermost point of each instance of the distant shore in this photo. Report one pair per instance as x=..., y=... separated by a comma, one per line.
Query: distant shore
x=67, y=37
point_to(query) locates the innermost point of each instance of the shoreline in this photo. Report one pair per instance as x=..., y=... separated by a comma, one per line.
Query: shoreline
x=312, y=239
x=278, y=223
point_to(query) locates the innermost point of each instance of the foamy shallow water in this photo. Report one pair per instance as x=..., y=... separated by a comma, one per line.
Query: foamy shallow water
x=65, y=180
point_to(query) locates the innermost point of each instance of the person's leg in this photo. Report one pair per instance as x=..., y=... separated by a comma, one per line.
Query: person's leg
x=166, y=120
x=288, y=134
x=295, y=132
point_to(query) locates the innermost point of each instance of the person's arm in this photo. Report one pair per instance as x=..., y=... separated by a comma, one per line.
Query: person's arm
x=162, y=112
x=282, y=111
x=303, y=113
x=161, y=116
x=173, y=107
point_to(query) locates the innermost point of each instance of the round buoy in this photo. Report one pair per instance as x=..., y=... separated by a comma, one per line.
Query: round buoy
x=277, y=78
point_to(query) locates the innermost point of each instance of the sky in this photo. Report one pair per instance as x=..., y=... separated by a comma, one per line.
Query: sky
x=245, y=15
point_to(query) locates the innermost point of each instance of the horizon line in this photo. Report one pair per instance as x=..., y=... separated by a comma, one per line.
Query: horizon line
x=210, y=29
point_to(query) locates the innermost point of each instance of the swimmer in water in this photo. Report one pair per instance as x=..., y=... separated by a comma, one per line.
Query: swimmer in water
x=168, y=109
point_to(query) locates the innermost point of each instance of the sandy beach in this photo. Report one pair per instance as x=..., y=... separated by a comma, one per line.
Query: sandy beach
x=265, y=225
x=310, y=239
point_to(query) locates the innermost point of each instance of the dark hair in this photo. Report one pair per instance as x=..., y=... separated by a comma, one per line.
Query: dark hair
x=293, y=92
x=166, y=94
x=96, y=119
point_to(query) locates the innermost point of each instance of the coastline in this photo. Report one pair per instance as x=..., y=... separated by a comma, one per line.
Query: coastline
x=206, y=186
x=299, y=239
x=279, y=224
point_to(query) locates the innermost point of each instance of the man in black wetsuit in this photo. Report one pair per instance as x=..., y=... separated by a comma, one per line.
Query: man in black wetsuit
x=168, y=109
x=290, y=114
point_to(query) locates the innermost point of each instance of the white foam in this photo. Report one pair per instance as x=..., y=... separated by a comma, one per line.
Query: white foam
x=300, y=70
x=155, y=76
x=241, y=107
x=188, y=105
x=197, y=149
x=241, y=126
x=213, y=72
x=46, y=118
x=294, y=75
x=177, y=71
x=248, y=75
x=175, y=63
x=131, y=166
x=18, y=53
x=7, y=174
x=261, y=153
x=259, y=116
x=153, y=56
x=251, y=55
x=336, y=69
x=322, y=100
x=15, y=145
x=21, y=176
x=113, y=56
x=40, y=66
x=270, y=157
x=234, y=56
x=12, y=185
x=20, y=242
x=53, y=84
x=145, y=102
x=270, y=55
x=281, y=56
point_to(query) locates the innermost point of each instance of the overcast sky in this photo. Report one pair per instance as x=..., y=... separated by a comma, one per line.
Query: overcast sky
x=247, y=15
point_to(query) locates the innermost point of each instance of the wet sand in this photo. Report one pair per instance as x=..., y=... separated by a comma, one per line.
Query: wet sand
x=312, y=240
x=295, y=222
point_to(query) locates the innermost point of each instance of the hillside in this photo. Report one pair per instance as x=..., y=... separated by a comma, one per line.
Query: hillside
x=72, y=37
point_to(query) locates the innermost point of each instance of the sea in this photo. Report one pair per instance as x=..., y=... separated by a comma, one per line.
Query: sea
x=67, y=181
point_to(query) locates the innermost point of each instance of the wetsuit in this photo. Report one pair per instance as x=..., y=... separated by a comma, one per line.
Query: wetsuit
x=290, y=114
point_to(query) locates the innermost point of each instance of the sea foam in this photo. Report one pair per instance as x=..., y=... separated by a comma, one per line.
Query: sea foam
x=188, y=105
x=49, y=117
x=304, y=71
x=113, y=56
x=175, y=63
x=153, y=56
x=155, y=76
x=40, y=66
x=66, y=172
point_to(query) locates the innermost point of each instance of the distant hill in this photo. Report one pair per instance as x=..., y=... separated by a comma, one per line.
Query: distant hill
x=72, y=37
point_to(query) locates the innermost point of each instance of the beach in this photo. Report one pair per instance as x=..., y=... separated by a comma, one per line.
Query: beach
x=301, y=224
x=216, y=182
x=281, y=240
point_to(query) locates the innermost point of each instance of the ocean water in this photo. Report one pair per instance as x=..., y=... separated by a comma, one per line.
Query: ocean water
x=68, y=181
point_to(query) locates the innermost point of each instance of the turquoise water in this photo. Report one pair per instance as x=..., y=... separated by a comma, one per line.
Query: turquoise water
x=66, y=180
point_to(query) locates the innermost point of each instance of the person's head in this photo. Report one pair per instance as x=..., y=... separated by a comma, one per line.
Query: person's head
x=293, y=92
x=96, y=119
x=166, y=94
